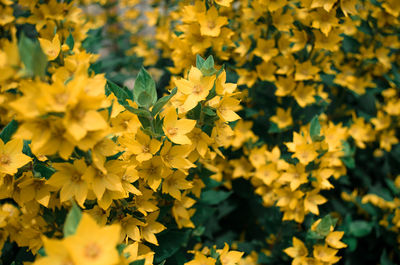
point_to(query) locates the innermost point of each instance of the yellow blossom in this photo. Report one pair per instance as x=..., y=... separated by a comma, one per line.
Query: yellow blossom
x=333, y=239
x=282, y=118
x=197, y=87
x=175, y=129
x=211, y=23
x=11, y=156
x=51, y=48
x=92, y=244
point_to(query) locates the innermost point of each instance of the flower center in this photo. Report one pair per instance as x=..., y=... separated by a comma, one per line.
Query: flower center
x=146, y=149
x=211, y=24
x=92, y=251
x=75, y=178
x=152, y=170
x=167, y=158
x=172, y=131
x=78, y=114
x=197, y=89
x=5, y=159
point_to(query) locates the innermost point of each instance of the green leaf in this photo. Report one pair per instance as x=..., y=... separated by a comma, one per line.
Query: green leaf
x=140, y=112
x=314, y=235
x=8, y=131
x=32, y=56
x=213, y=197
x=199, y=61
x=315, y=129
x=384, y=260
x=121, y=248
x=144, y=91
x=138, y=262
x=41, y=170
x=348, y=161
x=162, y=101
x=70, y=41
x=351, y=243
x=208, y=66
x=72, y=221
x=169, y=243
x=324, y=227
x=158, y=125
x=393, y=188
x=360, y=228
x=122, y=94
x=144, y=99
x=209, y=111
x=42, y=252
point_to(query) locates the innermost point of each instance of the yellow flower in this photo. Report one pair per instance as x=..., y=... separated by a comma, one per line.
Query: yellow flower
x=11, y=156
x=99, y=182
x=152, y=227
x=392, y=7
x=295, y=175
x=211, y=23
x=282, y=118
x=326, y=4
x=226, y=109
x=266, y=49
x=361, y=132
x=92, y=244
x=47, y=135
x=125, y=122
x=174, y=183
x=34, y=188
x=267, y=173
x=229, y=257
x=285, y=86
x=381, y=121
x=333, y=239
x=176, y=156
x=273, y=5
x=56, y=253
x=71, y=180
x=142, y=146
x=80, y=120
x=303, y=149
x=305, y=71
x=181, y=213
x=387, y=139
x=200, y=259
x=152, y=171
x=324, y=20
x=298, y=251
x=196, y=88
x=175, y=129
x=226, y=3
x=325, y=254
x=266, y=71
x=200, y=141
x=51, y=48
x=130, y=228
x=246, y=77
x=312, y=200
x=221, y=87
x=6, y=15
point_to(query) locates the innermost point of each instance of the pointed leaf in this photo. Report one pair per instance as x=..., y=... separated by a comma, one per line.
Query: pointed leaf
x=72, y=221
x=144, y=91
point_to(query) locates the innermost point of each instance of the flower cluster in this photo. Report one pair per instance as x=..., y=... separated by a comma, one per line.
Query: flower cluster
x=253, y=119
x=73, y=136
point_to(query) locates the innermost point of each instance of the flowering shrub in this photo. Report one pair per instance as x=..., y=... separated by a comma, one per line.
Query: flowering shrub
x=201, y=132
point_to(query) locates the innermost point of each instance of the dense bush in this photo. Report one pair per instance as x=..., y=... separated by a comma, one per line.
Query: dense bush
x=208, y=132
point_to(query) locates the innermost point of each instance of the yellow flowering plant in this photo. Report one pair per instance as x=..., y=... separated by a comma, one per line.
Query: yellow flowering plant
x=197, y=132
